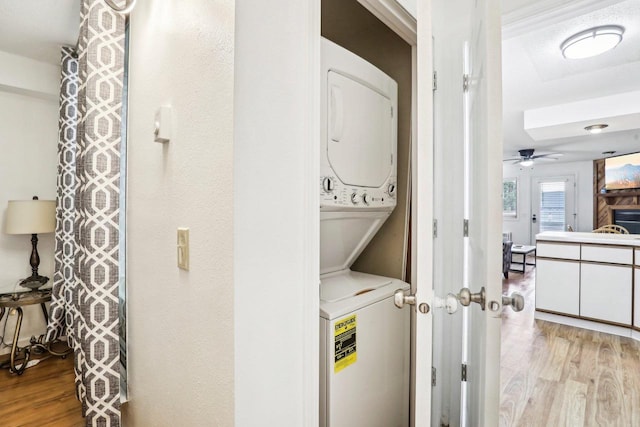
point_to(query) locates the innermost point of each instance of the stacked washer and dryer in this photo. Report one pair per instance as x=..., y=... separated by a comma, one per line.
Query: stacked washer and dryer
x=364, y=338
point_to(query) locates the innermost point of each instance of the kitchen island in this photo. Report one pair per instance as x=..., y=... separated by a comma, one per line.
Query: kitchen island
x=589, y=280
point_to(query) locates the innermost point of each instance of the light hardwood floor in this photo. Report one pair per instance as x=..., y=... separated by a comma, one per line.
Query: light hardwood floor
x=557, y=375
x=552, y=375
x=44, y=395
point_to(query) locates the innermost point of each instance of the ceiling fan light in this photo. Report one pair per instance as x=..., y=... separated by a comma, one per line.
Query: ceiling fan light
x=593, y=129
x=592, y=42
x=526, y=163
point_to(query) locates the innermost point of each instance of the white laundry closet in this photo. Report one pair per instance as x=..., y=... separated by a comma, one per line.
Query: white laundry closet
x=364, y=338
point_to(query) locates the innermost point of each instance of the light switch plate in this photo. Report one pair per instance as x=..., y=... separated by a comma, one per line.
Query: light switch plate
x=183, y=248
x=163, y=124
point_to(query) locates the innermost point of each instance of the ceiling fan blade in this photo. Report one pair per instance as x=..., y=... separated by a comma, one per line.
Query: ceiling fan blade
x=548, y=155
x=513, y=158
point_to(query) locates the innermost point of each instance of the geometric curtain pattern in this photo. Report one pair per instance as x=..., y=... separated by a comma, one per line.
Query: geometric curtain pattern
x=62, y=315
x=94, y=285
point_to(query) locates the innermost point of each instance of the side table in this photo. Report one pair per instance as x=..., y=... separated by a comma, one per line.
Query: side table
x=16, y=301
x=523, y=250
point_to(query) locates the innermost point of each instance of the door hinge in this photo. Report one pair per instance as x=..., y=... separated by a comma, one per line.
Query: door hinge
x=433, y=376
x=435, y=80
x=465, y=228
x=435, y=228
x=465, y=82
x=391, y=111
x=464, y=372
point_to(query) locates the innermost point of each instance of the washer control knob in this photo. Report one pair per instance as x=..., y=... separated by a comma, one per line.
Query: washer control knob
x=355, y=198
x=328, y=185
x=366, y=198
x=391, y=189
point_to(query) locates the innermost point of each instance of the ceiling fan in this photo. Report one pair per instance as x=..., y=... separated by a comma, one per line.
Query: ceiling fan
x=527, y=158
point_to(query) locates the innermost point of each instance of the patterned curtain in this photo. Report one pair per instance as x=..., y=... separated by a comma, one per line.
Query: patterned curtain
x=85, y=294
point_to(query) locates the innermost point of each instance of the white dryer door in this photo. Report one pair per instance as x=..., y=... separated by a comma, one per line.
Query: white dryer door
x=360, y=139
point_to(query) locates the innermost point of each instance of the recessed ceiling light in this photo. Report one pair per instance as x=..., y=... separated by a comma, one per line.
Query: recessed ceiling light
x=592, y=42
x=595, y=128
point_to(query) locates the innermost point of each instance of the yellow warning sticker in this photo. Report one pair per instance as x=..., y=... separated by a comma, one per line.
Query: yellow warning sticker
x=344, y=334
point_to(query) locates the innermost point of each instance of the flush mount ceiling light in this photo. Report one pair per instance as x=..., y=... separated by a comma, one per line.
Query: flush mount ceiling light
x=592, y=42
x=595, y=128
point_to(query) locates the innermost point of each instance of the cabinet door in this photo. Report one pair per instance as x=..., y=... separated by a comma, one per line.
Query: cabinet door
x=636, y=306
x=558, y=286
x=605, y=292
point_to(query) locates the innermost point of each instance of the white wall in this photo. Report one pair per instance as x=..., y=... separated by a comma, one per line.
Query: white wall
x=583, y=173
x=276, y=253
x=180, y=323
x=28, y=167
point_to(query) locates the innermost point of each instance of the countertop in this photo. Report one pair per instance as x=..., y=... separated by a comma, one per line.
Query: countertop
x=597, y=238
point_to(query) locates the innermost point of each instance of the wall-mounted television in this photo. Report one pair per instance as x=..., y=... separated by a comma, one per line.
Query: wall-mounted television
x=622, y=172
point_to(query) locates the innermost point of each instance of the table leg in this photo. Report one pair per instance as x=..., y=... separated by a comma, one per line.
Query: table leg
x=14, y=347
x=46, y=314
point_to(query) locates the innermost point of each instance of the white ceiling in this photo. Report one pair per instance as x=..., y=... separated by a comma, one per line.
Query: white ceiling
x=37, y=28
x=535, y=74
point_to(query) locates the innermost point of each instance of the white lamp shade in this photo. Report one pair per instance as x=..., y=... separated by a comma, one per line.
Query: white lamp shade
x=31, y=217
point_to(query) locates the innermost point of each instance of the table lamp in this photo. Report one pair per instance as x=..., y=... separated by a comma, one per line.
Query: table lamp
x=32, y=217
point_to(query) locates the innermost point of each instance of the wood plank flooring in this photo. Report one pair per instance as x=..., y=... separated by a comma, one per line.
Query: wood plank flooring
x=44, y=395
x=552, y=375
x=557, y=375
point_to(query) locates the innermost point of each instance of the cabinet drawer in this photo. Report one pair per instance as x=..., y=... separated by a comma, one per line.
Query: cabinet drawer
x=557, y=250
x=558, y=286
x=608, y=254
x=605, y=292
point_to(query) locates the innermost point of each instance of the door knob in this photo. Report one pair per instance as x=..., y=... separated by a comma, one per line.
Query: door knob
x=400, y=299
x=466, y=297
x=450, y=303
x=533, y=218
x=515, y=300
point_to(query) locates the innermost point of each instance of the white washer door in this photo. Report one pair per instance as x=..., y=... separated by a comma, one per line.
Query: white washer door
x=359, y=133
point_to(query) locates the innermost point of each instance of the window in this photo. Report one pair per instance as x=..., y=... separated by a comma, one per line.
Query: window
x=510, y=197
x=552, y=206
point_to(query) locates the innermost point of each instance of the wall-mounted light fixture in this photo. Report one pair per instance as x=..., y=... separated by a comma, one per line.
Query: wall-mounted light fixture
x=592, y=42
x=593, y=129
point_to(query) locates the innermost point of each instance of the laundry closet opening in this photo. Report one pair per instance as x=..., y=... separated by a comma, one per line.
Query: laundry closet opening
x=365, y=121
x=348, y=24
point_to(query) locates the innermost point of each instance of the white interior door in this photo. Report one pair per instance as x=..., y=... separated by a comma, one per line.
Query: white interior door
x=483, y=141
x=470, y=118
x=552, y=205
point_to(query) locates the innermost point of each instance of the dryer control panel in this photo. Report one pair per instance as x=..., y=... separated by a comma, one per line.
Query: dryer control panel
x=336, y=195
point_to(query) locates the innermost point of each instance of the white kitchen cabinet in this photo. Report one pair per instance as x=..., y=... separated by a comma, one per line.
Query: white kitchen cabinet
x=558, y=286
x=605, y=292
x=608, y=254
x=558, y=250
x=636, y=314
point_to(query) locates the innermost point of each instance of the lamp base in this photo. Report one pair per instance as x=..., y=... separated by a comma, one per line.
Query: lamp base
x=33, y=282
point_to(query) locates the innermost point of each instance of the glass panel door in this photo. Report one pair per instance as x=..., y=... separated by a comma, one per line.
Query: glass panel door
x=552, y=205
